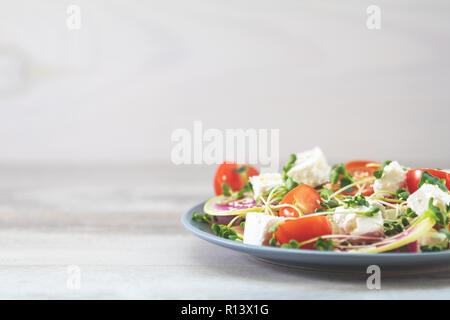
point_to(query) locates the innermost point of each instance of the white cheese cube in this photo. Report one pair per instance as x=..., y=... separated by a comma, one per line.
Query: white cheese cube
x=349, y=222
x=311, y=167
x=257, y=226
x=418, y=201
x=264, y=182
x=393, y=178
x=432, y=238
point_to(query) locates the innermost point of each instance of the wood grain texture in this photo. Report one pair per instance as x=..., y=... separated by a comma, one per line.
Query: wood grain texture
x=121, y=227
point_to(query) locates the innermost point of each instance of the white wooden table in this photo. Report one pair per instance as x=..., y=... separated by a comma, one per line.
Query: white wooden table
x=120, y=228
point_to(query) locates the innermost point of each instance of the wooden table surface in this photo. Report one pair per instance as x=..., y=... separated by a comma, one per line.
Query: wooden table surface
x=119, y=227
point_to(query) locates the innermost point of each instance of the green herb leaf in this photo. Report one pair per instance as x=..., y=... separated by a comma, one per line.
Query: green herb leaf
x=294, y=244
x=325, y=193
x=224, y=231
x=324, y=245
x=440, y=217
x=371, y=212
x=289, y=165
x=201, y=217
x=446, y=232
x=330, y=204
x=226, y=190
x=410, y=213
x=273, y=241
x=379, y=173
x=402, y=194
x=432, y=248
x=241, y=170
x=273, y=228
x=340, y=173
x=357, y=201
x=428, y=178
x=290, y=183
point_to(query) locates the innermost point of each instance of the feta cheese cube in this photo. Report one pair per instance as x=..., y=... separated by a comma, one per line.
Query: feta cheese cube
x=311, y=167
x=393, y=178
x=418, y=201
x=432, y=238
x=349, y=222
x=264, y=182
x=257, y=226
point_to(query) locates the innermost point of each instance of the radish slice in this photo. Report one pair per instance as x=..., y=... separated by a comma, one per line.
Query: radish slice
x=221, y=206
x=410, y=235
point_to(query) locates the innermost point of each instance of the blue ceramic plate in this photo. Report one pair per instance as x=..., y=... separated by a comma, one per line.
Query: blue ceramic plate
x=325, y=261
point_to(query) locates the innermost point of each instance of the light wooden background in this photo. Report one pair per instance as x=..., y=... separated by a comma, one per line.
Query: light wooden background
x=121, y=227
x=115, y=90
x=86, y=118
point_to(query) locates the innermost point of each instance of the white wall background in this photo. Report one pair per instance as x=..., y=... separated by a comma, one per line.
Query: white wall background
x=114, y=91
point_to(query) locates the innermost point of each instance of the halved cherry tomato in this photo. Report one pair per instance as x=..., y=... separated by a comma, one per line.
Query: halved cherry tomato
x=413, y=178
x=360, y=171
x=303, y=196
x=226, y=173
x=303, y=229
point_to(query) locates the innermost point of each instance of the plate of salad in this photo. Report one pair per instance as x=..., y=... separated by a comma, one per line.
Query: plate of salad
x=342, y=217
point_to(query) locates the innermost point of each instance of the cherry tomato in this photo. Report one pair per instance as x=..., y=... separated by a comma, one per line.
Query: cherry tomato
x=360, y=171
x=413, y=178
x=303, y=229
x=226, y=173
x=303, y=196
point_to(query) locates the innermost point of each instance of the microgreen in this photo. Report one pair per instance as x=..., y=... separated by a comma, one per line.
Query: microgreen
x=392, y=227
x=446, y=232
x=379, y=173
x=330, y=204
x=340, y=174
x=241, y=170
x=440, y=217
x=402, y=194
x=324, y=245
x=371, y=212
x=247, y=188
x=290, y=183
x=293, y=244
x=273, y=228
x=432, y=248
x=273, y=241
x=202, y=217
x=289, y=165
x=325, y=193
x=356, y=201
x=410, y=213
x=224, y=231
x=428, y=178
x=226, y=190
x=405, y=222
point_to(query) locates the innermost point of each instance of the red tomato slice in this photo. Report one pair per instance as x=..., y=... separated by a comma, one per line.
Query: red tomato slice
x=303, y=196
x=360, y=171
x=413, y=178
x=303, y=229
x=225, y=173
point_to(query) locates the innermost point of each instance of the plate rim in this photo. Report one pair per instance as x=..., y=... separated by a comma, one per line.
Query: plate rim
x=186, y=220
